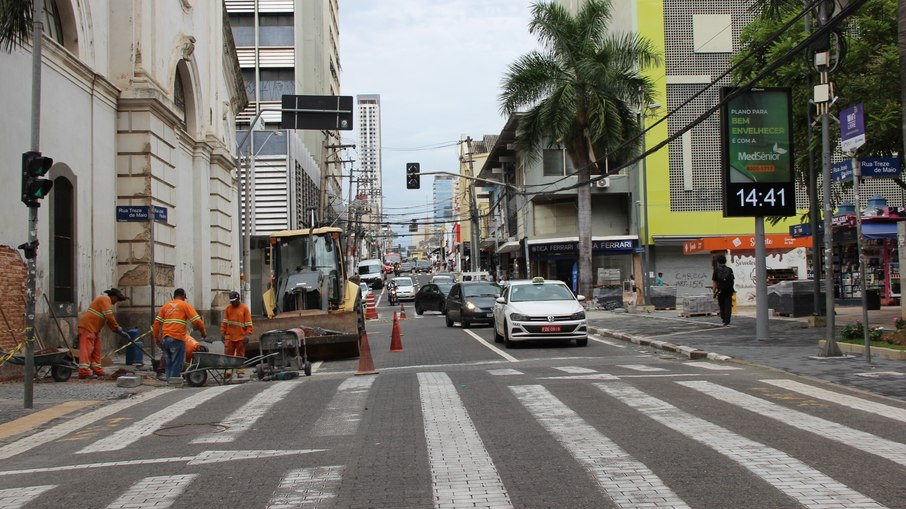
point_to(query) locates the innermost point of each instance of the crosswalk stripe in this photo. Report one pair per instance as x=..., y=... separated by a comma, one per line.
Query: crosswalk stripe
x=891, y=412
x=504, y=372
x=153, y=492
x=14, y=498
x=312, y=487
x=75, y=424
x=343, y=413
x=244, y=418
x=808, y=486
x=861, y=440
x=130, y=434
x=628, y=482
x=457, y=455
x=712, y=366
x=575, y=369
x=640, y=367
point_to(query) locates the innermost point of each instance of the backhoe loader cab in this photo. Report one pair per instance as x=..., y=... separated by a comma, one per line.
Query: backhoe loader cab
x=308, y=269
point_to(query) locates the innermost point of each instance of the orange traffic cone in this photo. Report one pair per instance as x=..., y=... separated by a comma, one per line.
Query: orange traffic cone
x=396, y=341
x=366, y=365
x=402, y=312
x=370, y=308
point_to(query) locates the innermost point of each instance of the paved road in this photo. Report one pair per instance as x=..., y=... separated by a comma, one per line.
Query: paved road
x=455, y=421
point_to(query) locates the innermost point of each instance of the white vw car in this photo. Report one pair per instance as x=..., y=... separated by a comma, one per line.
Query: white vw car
x=405, y=288
x=539, y=309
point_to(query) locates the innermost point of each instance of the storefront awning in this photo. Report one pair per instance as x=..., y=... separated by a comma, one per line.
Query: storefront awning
x=508, y=247
x=879, y=230
x=744, y=243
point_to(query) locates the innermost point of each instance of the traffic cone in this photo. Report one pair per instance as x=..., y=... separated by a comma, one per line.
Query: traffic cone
x=370, y=308
x=402, y=312
x=396, y=341
x=366, y=365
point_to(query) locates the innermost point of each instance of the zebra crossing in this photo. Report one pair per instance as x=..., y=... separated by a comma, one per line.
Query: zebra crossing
x=466, y=469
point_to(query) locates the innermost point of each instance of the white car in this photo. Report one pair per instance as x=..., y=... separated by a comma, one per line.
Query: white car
x=539, y=309
x=363, y=287
x=405, y=288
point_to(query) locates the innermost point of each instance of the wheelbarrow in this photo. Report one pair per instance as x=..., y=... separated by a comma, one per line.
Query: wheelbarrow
x=53, y=361
x=215, y=364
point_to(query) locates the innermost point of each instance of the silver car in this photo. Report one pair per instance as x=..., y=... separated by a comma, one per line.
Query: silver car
x=405, y=288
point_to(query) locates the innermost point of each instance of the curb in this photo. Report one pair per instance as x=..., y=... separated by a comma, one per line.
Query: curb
x=688, y=351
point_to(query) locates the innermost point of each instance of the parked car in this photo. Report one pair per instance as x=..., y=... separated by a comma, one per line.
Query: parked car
x=471, y=302
x=432, y=297
x=539, y=309
x=405, y=288
x=366, y=291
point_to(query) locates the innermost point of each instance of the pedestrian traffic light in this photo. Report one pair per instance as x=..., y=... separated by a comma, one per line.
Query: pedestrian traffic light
x=413, y=176
x=34, y=188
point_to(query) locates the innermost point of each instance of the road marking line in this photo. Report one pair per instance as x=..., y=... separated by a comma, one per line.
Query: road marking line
x=505, y=372
x=626, y=481
x=245, y=417
x=131, y=434
x=797, y=480
x=315, y=366
x=590, y=376
x=574, y=369
x=492, y=347
x=891, y=412
x=866, y=442
x=605, y=341
x=462, y=471
x=14, y=498
x=640, y=367
x=36, y=419
x=712, y=366
x=154, y=492
x=77, y=423
x=307, y=486
x=343, y=413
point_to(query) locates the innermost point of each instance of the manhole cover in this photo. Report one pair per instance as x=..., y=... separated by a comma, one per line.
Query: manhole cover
x=190, y=429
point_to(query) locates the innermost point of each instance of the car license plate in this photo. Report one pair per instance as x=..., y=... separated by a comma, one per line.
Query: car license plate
x=550, y=328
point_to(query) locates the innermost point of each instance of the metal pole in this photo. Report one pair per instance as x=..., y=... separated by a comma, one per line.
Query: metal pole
x=761, y=287
x=151, y=264
x=646, y=282
x=831, y=349
x=857, y=178
x=247, y=237
x=813, y=198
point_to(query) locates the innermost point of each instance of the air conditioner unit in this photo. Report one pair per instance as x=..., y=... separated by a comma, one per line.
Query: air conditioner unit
x=602, y=183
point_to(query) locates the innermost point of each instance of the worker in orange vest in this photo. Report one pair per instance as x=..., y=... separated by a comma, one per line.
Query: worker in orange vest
x=99, y=312
x=171, y=328
x=236, y=329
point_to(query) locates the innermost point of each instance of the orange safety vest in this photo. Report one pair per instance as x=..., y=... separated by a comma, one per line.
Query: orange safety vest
x=99, y=311
x=174, y=318
x=237, y=322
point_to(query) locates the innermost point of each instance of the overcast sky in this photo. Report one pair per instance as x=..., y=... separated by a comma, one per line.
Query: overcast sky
x=437, y=65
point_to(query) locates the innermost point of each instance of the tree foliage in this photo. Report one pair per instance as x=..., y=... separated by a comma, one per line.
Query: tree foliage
x=15, y=22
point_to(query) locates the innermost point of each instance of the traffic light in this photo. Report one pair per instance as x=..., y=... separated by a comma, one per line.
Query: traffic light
x=35, y=166
x=413, y=226
x=413, y=176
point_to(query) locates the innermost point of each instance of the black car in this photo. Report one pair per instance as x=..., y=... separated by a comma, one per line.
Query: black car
x=472, y=302
x=432, y=297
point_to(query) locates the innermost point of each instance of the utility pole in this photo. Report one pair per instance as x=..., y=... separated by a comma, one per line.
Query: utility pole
x=474, y=252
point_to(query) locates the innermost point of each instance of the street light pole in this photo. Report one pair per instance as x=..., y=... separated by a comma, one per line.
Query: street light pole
x=646, y=280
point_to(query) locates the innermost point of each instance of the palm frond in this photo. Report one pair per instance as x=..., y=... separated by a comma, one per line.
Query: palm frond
x=15, y=23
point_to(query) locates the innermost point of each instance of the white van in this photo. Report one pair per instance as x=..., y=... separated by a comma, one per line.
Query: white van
x=371, y=272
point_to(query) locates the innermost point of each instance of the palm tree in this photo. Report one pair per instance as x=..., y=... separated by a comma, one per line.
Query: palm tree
x=15, y=22
x=583, y=89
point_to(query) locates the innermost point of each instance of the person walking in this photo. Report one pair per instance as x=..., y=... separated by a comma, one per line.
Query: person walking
x=99, y=312
x=722, y=282
x=236, y=329
x=171, y=327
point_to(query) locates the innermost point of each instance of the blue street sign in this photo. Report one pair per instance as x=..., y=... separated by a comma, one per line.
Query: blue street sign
x=842, y=171
x=880, y=167
x=139, y=213
x=852, y=128
x=804, y=230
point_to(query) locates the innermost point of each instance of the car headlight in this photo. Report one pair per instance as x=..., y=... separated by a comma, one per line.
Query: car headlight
x=577, y=316
x=470, y=306
x=516, y=317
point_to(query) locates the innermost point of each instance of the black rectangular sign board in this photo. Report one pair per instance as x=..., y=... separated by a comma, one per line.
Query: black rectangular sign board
x=327, y=112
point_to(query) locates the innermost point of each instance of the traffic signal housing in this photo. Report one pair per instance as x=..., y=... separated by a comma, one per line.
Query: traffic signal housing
x=34, y=187
x=413, y=176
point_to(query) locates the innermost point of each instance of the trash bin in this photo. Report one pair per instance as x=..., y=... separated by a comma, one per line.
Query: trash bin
x=134, y=355
x=873, y=298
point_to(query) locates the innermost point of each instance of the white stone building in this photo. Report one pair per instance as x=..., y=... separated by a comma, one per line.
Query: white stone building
x=138, y=108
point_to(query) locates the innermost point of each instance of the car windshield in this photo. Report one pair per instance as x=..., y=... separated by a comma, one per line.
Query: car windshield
x=402, y=281
x=444, y=287
x=370, y=269
x=529, y=293
x=482, y=290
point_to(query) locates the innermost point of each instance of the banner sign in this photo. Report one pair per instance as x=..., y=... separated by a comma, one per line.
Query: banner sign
x=757, y=153
x=139, y=213
x=569, y=248
x=852, y=128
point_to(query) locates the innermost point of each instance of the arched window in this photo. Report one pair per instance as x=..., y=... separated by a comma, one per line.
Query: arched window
x=53, y=24
x=62, y=249
x=179, y=92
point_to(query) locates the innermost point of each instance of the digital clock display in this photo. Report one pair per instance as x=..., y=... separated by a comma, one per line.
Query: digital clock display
x=752, y=199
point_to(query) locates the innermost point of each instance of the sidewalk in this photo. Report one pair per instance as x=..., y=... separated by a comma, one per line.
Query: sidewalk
x=791, y=345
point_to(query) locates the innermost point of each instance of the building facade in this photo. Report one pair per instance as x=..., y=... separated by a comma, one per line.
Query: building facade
x=368, y=172
x=138, y=106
